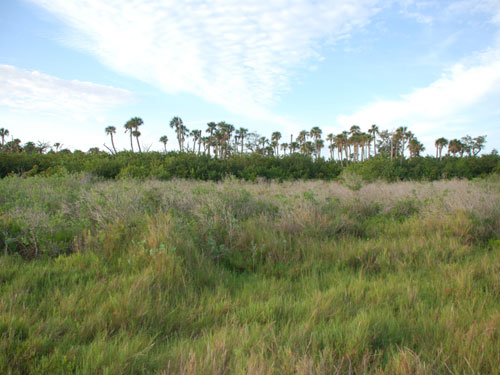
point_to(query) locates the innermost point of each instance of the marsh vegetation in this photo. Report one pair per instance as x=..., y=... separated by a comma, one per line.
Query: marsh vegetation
x=309, y=277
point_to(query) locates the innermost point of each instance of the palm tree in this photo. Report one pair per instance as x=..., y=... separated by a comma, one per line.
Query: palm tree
x=4, y=133
x=135, y=123
x=110, y=130
x=307, y=148
x=212, y=126
x=415, y=147
x=176, y=124
x=330, y=138
x=316, y=132
x=402, y=132
x=164, y=140
x=275, y=138
x=242, y=133
x=57, y=145
x=316, y=135
x=183, y=133
x=137, y=134
x=129, y=127
x=196, y=134
x=440, y=143
x=318, y=145
x=365, y=145
x=284, y=147
x=355, y=129
x=454, y=147
x=374, y=131
x=339, y=141
x=303, y=135
x=395, y=141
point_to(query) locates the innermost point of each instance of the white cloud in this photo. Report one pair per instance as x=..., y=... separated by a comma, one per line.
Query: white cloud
x=37, y=92
x=429, y=109
x=240, y=54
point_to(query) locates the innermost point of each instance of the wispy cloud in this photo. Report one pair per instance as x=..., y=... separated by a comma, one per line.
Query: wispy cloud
x=240, y=54
x=32, y=91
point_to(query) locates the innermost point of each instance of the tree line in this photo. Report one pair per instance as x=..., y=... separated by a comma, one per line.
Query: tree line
x=222, y=140
x=221, y=151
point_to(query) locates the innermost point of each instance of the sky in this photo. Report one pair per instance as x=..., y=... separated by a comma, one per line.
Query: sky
x=70, y=68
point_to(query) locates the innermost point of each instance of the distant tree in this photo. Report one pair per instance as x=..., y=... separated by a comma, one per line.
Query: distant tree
x=454, y=147
x=415, y=147
x=284, y=147
x=29, y=147
x=4, y=133
x=137, y=134
x=316, y=136
x=355, y=129
x=57, y=146
x=242, y=133
x=402, y=136
x=374, y=131
x=196, y=134
x=384, y=142
x=110, y=130
x=164, y=140
x=129, y=127
x=302, y=137
x=41, y=147
x=318, y=146
x=307, y=148
x=478, y=144
x=331, y=139
x=340, y=140
x=136, y=122
x=275, y=138
x=440, y=144
x=13, y=146
x=180, y=130
x=211, y=127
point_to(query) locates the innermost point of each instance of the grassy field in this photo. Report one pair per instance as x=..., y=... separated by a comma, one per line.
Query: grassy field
x=184, y=277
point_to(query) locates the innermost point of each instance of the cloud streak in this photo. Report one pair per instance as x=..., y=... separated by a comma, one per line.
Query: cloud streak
x=37, y=92
x=240, y=54
x=457, y=90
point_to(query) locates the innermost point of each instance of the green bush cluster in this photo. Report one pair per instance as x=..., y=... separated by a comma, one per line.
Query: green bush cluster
x=425, y=168
x=248, y=166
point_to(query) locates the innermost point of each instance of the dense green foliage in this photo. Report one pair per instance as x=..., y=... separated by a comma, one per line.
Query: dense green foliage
x=245, y=166
x=183, y=277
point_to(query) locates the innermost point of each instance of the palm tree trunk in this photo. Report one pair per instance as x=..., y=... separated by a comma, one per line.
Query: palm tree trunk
x=113, y=142
x=138, y=144
x=131, y=141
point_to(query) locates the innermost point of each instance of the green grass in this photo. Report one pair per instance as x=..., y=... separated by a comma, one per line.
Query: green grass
x=182, y=277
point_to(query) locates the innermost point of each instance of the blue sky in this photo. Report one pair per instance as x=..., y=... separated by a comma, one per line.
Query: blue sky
x=70, y=68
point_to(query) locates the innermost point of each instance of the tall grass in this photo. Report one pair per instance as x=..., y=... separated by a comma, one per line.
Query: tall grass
x=178, y=277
